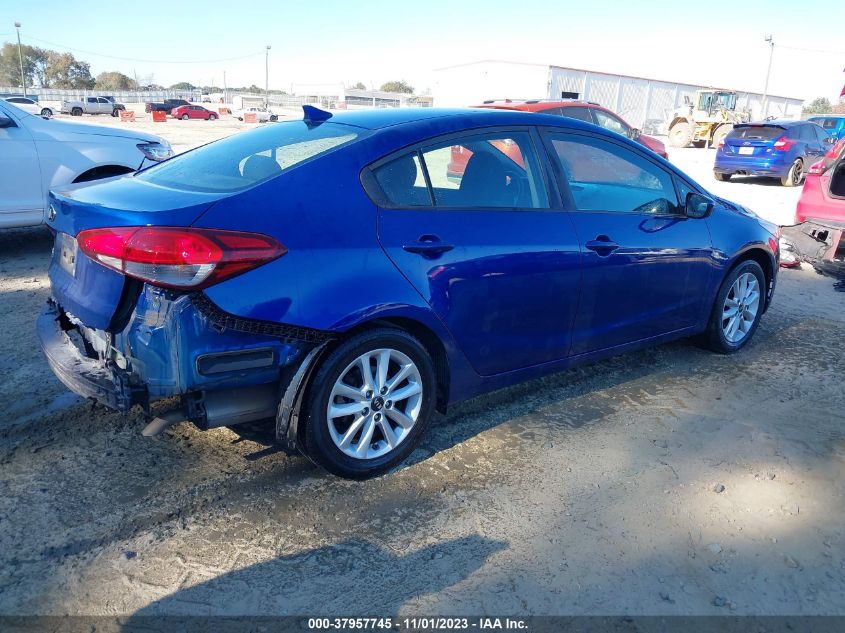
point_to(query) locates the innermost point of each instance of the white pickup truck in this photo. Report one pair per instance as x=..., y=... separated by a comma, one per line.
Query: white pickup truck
x=92, y=105
x=38, y=154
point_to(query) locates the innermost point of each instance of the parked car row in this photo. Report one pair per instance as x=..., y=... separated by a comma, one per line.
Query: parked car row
x=329, y=274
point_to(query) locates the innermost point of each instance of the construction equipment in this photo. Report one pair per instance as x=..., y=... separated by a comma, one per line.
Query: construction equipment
x=706, y=120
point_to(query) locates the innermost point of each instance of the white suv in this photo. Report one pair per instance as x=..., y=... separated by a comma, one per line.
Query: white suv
x=38, y=154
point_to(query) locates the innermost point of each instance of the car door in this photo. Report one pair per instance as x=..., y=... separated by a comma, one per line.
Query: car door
x=489, y=249
x=20, y=173
x=91, y=105
x=816, y=147
x=104, y=106
x=646, y=266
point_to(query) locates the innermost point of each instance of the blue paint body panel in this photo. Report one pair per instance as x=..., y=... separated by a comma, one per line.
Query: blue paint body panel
x=518, y=296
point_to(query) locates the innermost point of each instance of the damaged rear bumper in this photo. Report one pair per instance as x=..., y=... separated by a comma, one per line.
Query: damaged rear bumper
x=103, y=381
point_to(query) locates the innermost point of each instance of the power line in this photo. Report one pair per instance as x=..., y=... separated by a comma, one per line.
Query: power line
x=811, y=50
x=145, y=61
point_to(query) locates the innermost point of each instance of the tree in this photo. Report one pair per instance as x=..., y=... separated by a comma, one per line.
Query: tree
x=359, y=86
x=182, y=85
x=397, y=86
x=65, y=71
x=10, y=68
x=820, y=105
x=114, y=80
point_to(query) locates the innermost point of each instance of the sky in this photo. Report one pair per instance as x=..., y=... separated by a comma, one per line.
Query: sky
x=332, y=41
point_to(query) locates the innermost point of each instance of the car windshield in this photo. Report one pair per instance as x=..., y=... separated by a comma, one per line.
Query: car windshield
x=761, y=132
x=243, y=160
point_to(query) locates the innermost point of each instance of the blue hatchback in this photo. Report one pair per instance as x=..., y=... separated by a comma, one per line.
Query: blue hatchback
x=330, y=275
x=780, y=149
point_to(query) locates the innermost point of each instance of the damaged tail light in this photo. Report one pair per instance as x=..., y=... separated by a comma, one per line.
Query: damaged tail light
x=178, y=257
x=784, y=144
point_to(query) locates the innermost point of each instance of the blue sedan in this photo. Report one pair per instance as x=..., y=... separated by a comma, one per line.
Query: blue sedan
x=329, y=274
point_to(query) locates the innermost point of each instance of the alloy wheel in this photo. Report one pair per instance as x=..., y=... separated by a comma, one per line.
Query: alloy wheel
x=374, y=404
x=741, y=307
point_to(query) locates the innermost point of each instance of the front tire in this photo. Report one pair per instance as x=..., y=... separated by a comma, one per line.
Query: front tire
x=46, y=112
x=719, y=135
x=212, y=117
x=795, y=175
x=680, y=134
x=737, y=310
x=185, y=117
x=369, y=404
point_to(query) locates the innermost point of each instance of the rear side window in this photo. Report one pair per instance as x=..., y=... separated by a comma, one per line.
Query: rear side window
x=806, y=133
x=604, y=176
x=481, y=171
x=577, y=112
x=243, y=160
x=757, y=132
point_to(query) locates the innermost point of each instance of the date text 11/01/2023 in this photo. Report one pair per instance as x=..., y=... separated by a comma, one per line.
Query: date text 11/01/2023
x=418, y=624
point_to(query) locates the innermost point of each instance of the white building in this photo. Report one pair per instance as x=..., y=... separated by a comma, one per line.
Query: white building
x=634, y=98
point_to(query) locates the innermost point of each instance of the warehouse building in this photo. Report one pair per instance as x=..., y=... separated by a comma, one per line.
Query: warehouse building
x=636, y=99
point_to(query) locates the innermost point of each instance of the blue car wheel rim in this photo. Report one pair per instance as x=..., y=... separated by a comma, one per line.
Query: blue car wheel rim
x=742, y=304
x=374, y=404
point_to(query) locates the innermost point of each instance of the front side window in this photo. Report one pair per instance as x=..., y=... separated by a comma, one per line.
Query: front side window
x=604, y=176
x=101, y=100
x=610, y=122
x=243, y=160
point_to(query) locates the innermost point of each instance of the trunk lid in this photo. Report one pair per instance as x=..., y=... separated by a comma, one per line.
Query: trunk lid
x=86, y=290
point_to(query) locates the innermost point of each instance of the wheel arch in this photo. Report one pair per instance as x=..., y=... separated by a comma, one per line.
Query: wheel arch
x=767, y=263
x=102, y=171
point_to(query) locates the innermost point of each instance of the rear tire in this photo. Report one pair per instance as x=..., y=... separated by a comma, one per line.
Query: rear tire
x=76, y=112
x=340, y=384
x=47, y=112
x=680, y=134
x=795, y=175
x=719, y=135
x=722, y=177
x=731, y=324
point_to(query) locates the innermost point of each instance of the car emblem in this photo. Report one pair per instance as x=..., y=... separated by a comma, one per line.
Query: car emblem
x=747, y=143
x=51, y=214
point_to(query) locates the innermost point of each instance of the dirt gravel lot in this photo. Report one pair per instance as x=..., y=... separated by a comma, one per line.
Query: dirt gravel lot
x=591, y=492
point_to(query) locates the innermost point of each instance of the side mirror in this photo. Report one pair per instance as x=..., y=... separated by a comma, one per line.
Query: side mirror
x=634, y=134
x=6, y=122
x=830, y=140
x=697, y=206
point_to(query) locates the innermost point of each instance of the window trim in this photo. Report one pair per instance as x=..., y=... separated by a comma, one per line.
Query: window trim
x=563, y=185
x=374, y=192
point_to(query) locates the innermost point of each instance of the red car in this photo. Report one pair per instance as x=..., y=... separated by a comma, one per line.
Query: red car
x=823, y=196
x=186, y=112
x=581, y=110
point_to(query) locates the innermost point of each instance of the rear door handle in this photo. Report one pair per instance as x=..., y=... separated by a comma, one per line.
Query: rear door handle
x=602, y=245
x=428, y=246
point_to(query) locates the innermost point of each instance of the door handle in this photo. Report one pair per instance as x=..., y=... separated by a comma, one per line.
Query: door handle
x=602, y=245
x=428, y=246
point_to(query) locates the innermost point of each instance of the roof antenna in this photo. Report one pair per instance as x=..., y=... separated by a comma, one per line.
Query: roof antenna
x=314, y=116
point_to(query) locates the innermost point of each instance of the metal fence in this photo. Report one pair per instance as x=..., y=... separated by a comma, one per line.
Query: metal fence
x=637, y=99
x=125, y=96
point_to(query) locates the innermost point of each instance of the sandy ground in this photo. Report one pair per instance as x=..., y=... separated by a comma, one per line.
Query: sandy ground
x=591, y=492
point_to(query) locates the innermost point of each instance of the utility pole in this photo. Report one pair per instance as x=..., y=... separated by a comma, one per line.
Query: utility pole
x=20, y=56
x=267, y=77
x=765, y=106
x=225, y=97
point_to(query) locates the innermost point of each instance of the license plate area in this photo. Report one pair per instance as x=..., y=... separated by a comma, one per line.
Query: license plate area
x=68, y=251
x=746, y=150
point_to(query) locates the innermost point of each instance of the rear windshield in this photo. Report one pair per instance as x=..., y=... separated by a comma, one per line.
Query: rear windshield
x=763, y=132
x=245, y=159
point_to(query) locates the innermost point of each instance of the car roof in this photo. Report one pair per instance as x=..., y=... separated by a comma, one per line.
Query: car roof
x=784, y=123
x=822, y=117
x=536, y=105
x=389, y=117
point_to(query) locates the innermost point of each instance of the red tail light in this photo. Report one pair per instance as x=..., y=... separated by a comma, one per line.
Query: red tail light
x=783, y=144
x=721, y=143
x=178, y=257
